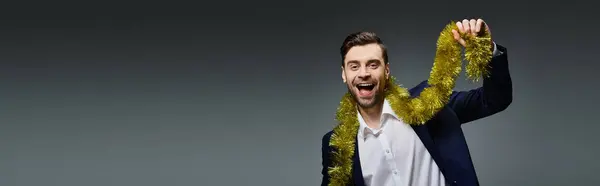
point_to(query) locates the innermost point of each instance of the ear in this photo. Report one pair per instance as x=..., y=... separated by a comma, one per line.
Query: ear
x=387, y=71
x=343, y=75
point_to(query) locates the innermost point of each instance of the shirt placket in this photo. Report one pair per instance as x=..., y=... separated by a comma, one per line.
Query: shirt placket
x=388, y=153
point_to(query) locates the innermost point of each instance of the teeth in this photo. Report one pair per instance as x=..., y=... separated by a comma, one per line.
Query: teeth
x=365, y=84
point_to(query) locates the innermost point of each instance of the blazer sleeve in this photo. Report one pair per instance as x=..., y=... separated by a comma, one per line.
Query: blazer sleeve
x=325, y=158
x=494, y=96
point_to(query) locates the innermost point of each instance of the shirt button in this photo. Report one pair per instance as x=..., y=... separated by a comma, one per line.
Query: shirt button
x=387, y=150
x=396, y=172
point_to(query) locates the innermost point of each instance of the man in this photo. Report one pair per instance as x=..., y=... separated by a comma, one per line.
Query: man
x=390, y=152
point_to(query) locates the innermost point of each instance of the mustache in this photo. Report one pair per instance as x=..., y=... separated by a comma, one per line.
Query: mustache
x=356, y=81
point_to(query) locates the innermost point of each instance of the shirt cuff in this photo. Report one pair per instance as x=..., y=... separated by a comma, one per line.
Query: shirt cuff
x=496, y=52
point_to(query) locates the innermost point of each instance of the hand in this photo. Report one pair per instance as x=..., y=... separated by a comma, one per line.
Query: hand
x=471, y=27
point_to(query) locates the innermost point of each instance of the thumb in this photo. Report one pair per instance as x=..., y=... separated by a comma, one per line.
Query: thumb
x=458, y=38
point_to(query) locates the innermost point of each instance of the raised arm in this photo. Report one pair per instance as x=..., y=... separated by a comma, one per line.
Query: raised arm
x=494, y=96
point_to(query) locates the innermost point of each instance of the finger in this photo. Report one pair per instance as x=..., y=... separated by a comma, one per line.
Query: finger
x=486, y=27
x=458, y=38
x=465, y=24
x=456, y=35
x=472, y=24
x=478, y=25
x=460, y=27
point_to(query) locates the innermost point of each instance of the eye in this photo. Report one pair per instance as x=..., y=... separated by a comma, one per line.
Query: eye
x=353, y=67
x=373, y=65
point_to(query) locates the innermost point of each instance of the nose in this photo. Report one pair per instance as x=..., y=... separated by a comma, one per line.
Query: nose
x=364, y=73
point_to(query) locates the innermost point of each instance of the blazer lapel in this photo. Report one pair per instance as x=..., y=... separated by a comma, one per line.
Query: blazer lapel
x=423, y=133
x=357, y=175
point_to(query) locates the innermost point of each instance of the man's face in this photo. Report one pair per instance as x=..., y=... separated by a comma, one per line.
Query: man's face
x=365, y=72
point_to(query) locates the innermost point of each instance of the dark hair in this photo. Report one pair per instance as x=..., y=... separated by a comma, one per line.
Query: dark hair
x=359, y=39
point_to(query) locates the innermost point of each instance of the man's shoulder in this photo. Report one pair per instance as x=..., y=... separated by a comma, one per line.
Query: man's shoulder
x=326, y=138
x=416, y=90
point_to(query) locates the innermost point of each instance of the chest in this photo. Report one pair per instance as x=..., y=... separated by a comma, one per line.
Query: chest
x=396, y=155
x=395, y=143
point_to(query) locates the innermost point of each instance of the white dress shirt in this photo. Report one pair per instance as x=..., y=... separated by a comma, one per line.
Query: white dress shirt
x=393, y=154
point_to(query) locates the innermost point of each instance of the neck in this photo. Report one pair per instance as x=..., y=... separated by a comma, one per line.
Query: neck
x=372, y=115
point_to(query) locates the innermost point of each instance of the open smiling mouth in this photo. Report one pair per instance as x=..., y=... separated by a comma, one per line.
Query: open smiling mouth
x=365, y=89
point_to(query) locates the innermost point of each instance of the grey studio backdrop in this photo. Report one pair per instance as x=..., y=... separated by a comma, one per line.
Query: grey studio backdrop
x=240, y=93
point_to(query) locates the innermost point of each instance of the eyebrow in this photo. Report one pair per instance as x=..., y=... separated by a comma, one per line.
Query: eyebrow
x=374, y=61
x=353, y=61
x=368, y=62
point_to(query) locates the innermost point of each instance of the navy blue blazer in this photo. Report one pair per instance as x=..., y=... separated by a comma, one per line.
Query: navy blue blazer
x=443, y=135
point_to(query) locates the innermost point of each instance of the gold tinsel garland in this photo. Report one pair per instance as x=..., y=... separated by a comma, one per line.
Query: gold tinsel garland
x=414, y=111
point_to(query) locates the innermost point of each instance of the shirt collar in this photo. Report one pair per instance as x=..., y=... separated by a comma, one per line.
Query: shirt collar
x=386, y=112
